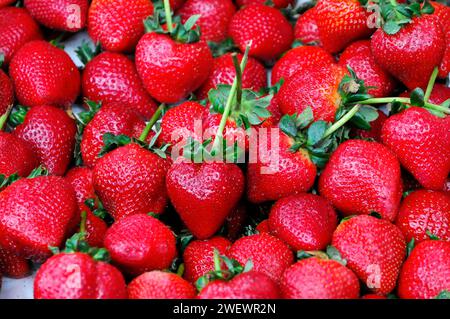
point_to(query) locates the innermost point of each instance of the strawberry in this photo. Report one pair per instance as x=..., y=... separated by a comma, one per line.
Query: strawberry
x=375, y=129
x=18, y=28
x=176, y=4
x=66, y=15
x=374, y=250
x=96, y=228
x=22, y=161
x=113, y=78
x=266, y=28
x=36, y=213
x=6, y=92
x=235, y=222
x=440, y=94
x=263, y=227
x=160, y=285
x=12, y=265
x=44, y=74
x=426, y=272
x=340, y=23
x=315, y=278
x=204, y=194
x=421, y=142
x=306, y=29
x=215, y=16
x=276, y=3
x=117, y=25
x=373, y=296
x=304, y=222
x=140, y=243
x=425, y=212
x=81, y=180
x=4, y=3
x=362, y=177
x=51, y=134
x=443, y=13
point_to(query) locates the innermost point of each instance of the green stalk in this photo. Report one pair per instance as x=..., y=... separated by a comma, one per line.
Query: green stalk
x=168, y=15
x=180, y=270
x=405, y=100
x=150, y=123
x=4, y=117
x=347, y=117
x=238, y=69
x=431, y=84
x=83, y=222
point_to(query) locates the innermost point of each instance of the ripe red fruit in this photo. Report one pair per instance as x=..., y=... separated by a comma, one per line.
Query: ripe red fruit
x=4, y=3
x=235, y=222
x=374, y=250
x=44, y=74
x=375, y=129
x=176, y=4
x=81, y=180
x=440, y=94
x=140, y=243
x=426, y=272
x=65, y=15
x=421, y=50
x=421, y=142
x=265, y=27
x=304, y=222
x=96, y=228
x=315, y=278
x=263, y=227
x=306, y=29
x=362, y=177
x=29, y=224
x=18, y=28
x=78, y=276
x=12, y=265
x=131, y=180
x=276, y=3
x=22, y=161
x=160, y=285
x=6, y=92
x=118, y=25
x=443, y=13
x=113, y=78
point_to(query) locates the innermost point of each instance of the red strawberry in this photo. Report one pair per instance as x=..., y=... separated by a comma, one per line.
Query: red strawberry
x=248, y=285
x=263, y=227
x=215, y=16
x=81, y=180
x=198, y=256
x=362, y=177
x=373, y=296
x=113, y=78
x=176, y=4
x=373, y=248
x=44, y=74
x=440, y=94
x=268, y=254
x=118, y=25
x=304, y=222
x=275, y=117
x=276, y=3
x=160, y=285
x=78, y=276
x=375, y=129
x=35, y=214
x=315, y=278
x=266, y=28
x=18, y=28
x=306, y=29
x=96, y=227
x=340, y=23
x=426, y=272
x=66, y=15
x=6, y=92
x=22, y=161
x=235, y=222
x=4, y=3
x=443, y=13
x=423, y=212
x=204, y=194
x=51, y=134
x=421, y=142
x=12, y=265
x=412, y=53
x=131, y=180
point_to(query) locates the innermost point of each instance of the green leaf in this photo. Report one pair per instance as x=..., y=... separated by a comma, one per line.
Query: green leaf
x=111, y=142
x=444, y=294
x=189, y=24
x=218, y=97
x=427, y=8
x=85, y=53
x=316, y=132
x=301, y=254
x=410, y=247
x=220, y=48
x=418, y=97
x=6, y=181
x=376, y=215
x=391, y=27
x=38, y=171
x=334, y=254
x=17, y=115
x=432, y=236
x=288, y=125
x=305, y=118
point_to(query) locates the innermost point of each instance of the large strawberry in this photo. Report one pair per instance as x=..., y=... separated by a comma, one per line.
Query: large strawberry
x=306, y=29
x=81, y=180
x=373, y=248
x=44, y=74
x=21, y=162
x=6, y=92
x=13, y=266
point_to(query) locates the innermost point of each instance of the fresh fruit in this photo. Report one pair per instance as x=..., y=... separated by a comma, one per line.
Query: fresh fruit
x=22, y=161
x=375, y=129
x=81, y=180
x=276, y=3
x=12, y=265
x=6, y=92
x=96, y=228
x=306, y=29
x=4, y=3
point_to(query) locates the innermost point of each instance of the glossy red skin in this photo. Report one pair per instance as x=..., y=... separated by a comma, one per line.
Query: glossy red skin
x=131, y=180
x=4, y=3
x=340, y=23
x=412, y=53
x=18, y=28
x=111, y=118
x=22, y=161
x=78, y=276
x=315, y=278
x=171, y=70
x=12, y=265
x=6, y=92
x=204, y=194
x=160, y=285
x=215, y=16
x=300, y=60
x=443, y=13
x=223, y=72
x=248, y=285
x=95, y=227
x=362, y=177
x=278, y=172
x=275, y=117
x=359, y=57
x=269, y=255
x=64, y=15
x=375, y=131
x=81, y=180
x=35, y=214
x=270, y=32
x=277, y=3
x=113, y=78
x=264, y=227
x=421, y=142
x=235, y=222
x=440, y=94
x=304, y=222
x=44, y=74
x=306, y=29
x=425, y=211
x=140, y=243
x=426, y=272
x=50, y=132
x=374, y=249
x=198, y=257
x=118, y=25
x=317, y=88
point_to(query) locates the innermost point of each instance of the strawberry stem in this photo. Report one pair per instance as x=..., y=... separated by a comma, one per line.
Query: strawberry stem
x=150, y=123
x=347, y=117
x=431, y=84
x=4, y=117
x=83, y=222
x=238, y=69
x=405, y=100
x=168, y=16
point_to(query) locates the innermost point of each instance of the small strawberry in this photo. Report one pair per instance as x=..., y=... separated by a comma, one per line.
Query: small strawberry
x=81, y=180
x=6, y=91
x=96, y=227
x=12, y=265
x=306, y=29
x=263, y=227
x=276, y=3
x=375, y=129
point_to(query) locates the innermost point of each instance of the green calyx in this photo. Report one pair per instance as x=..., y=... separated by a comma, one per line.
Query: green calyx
x=2, y=59
x=8, y=180
x=17, y=115
x=331, y=253
x=97, y=208
x=220, y=48
x=444, y=294
x=85, y=53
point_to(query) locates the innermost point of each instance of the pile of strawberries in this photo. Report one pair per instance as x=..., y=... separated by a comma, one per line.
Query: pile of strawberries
x=184, y=174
